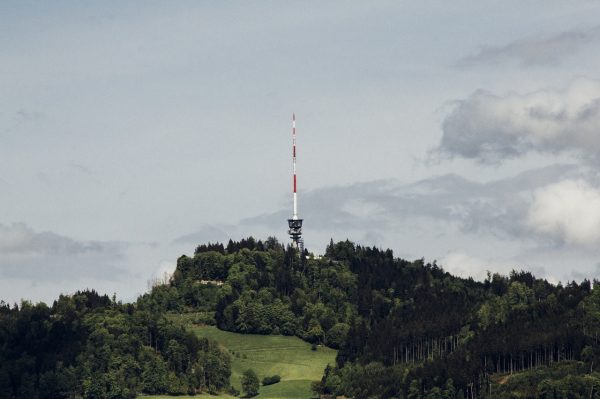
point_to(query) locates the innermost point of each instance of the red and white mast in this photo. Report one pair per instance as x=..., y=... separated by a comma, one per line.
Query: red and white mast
x=295, y=216
x=295, y=224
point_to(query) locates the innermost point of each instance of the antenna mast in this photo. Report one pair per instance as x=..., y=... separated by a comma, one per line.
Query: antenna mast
x=295, y=224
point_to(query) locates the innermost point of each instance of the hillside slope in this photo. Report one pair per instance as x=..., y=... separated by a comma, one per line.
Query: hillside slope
x=289, y=357
x=402, y=328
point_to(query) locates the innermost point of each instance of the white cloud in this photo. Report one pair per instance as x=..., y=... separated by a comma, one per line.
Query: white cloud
x=165, y=270
x=460, y=263
x=464, y=263
x=491, y=128
x=568, y=211
x=207, y=233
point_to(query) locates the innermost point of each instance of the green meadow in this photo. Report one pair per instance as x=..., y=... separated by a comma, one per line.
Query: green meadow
x=289, y=357
x=203, y=396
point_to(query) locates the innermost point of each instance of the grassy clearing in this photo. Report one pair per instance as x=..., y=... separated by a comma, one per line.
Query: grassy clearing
x=290, y=389
x=203, y=396
x=289, y=357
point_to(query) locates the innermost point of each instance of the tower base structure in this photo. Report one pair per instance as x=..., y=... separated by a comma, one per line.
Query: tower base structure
x=295, y=232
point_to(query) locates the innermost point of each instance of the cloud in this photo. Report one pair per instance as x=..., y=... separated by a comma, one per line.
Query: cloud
x=162, y=274
x=207, y=233
x=465, y=265
x=462, y=263
x=47, y=256
x=372, y=209
x=470, y=226
x=81, y=168
x=19, y=119
x=535, y=50
x=491, y=128
x=19, y=239
x=567, y=211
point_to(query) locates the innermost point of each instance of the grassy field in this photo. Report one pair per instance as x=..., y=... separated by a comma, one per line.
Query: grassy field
x=289, y=357
x=203, y=396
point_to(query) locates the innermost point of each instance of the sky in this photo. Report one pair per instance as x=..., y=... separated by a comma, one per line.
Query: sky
x=462, y=132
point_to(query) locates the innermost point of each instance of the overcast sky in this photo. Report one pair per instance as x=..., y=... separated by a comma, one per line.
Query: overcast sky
x=466, y=132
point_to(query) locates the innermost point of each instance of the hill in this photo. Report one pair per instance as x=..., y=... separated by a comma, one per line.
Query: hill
x=403, y=329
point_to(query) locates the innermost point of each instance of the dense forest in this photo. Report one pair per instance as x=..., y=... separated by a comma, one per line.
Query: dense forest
x=404, y=329
x=91, y=346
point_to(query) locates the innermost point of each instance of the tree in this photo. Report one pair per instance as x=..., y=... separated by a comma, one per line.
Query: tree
x=177, y=356
x=216, y=365
x=588, y=356
x=155, y=375
x=434, y=393
x=336, y=336
x=5, y=386
x=250, y=383
x=94, y=387
x=450, y=391
x=414, y=390
x=315, y=332
x=27, y=389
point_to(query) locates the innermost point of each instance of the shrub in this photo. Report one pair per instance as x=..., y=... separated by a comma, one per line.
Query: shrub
x=232, y=391
x=250, y=383
x=205, y=318
x=274, y=379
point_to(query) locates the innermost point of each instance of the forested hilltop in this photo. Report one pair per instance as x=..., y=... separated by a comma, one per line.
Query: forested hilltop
x=403, y=329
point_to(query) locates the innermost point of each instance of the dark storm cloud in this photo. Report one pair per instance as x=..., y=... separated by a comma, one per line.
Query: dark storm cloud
x=538, y=50
x=490, y=128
